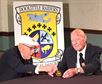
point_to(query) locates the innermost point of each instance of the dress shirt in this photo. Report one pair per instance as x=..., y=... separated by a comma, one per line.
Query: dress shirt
x=78, y=57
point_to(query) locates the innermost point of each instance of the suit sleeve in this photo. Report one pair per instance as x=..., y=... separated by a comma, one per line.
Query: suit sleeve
x=15, y=63
x=62, y=66
x=93, y=67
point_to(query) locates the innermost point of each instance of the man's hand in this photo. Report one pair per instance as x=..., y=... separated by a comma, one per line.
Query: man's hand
x=69, y=73
x=50, y=69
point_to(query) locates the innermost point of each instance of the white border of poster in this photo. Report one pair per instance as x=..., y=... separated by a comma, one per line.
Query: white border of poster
x=43, y=13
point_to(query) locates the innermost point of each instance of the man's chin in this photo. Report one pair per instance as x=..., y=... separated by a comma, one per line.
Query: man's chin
x=77, y=49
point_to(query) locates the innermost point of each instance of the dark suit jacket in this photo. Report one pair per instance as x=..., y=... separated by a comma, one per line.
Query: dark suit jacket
x=92, y=60
x=12, y=65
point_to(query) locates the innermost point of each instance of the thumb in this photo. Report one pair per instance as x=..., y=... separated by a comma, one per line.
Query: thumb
x=50, y=74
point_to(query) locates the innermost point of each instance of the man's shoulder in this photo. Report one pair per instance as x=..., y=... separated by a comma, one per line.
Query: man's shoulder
x=94, y=47
x=69, y=49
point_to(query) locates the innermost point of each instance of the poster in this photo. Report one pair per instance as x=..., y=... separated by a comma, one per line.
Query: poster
x=43, y=21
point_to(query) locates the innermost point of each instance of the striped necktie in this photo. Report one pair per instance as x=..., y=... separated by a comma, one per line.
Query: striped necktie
x=81, y=60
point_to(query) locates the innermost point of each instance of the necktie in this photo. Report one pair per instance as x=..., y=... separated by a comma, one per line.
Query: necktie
x=82, y=61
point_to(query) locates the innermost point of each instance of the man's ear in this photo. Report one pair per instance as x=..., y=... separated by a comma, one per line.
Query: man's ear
x=20, y=47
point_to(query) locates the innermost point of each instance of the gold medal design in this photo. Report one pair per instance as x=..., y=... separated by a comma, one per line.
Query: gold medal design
x=58, y=73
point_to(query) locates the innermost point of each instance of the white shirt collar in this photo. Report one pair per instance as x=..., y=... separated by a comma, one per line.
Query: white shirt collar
x=83, y=52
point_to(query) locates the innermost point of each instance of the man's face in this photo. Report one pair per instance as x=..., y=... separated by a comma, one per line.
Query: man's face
x=27, y=51
x=78, y=42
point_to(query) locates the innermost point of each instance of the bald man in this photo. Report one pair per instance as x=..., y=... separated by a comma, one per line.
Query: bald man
x=80, y=57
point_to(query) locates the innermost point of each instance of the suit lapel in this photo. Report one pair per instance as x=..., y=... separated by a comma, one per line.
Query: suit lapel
x=74, y=57
x=87, y=53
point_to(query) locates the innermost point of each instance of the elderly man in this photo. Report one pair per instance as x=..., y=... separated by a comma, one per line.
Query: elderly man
x=17, y=62
x=81, y=57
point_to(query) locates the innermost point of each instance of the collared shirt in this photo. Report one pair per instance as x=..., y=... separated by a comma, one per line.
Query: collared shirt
x=78, y=57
